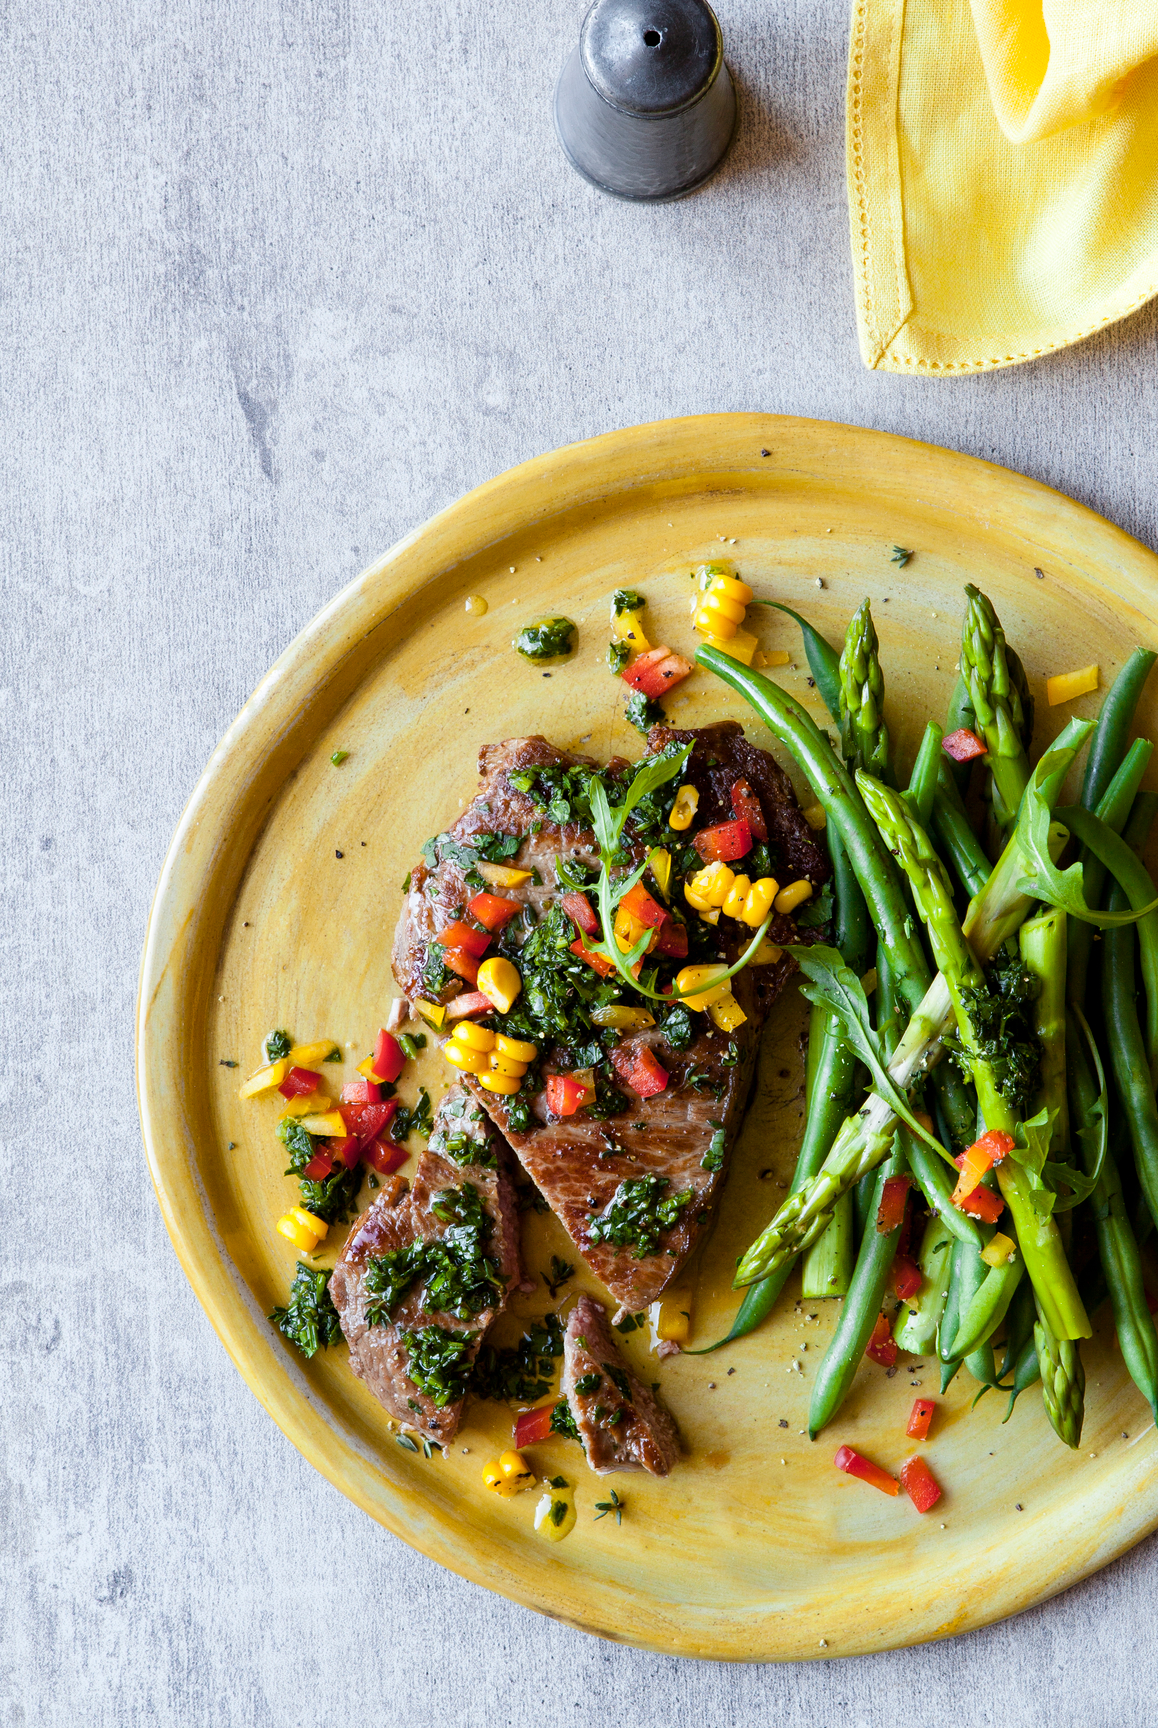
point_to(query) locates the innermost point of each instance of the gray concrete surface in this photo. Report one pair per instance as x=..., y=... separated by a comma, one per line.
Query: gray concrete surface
x=278, y=282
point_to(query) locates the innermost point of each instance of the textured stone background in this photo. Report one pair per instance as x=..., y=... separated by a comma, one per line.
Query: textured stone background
x=279, y=282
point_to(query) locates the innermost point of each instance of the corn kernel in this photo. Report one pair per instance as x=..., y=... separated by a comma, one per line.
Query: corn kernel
x=500, y=1481
x=816, y=816
x=713, y=883
x=492, y=1476
x=731, y=588
x=767, y=954
x=472, y=1036
x=305, y=1055
x=500, y=1064
x=999, y=1250
x=499, y=980
x=622, y=1018
x=505, y=1084
x=659, y=863
x=1067, y=686
x=502, y=875
x=517, y=1048
x=555, y=1514
x=432, y=1012
x=305, y=1106
x=740, y=645
x=514, y=1469
x=462, y=1056
x=737, y=897
x=297, y=1233
x=711, y=916
x=719, y=605
x=308, y=1222
x=671, y=1318
x=726, y=1013
x=759, y=902
x=713, y=625
x=329, y=1123
x=697, y=901
x=266, y=1078
x=691, y=978
x=686, y=804
x=793, y=896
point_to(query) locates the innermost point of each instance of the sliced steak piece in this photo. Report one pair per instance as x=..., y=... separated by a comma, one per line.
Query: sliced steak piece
x=621, y=1423
x=416, y=1353
x=635, y=1184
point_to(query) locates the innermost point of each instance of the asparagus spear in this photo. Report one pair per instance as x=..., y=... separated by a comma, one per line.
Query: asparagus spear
x=996, y=698
x=1063, y=1382
x=863, y=733
x=1037, y=1234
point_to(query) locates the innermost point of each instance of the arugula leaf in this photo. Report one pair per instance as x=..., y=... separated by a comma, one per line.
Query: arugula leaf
x=817, y=912
x=1064, y=889
x=832, y=984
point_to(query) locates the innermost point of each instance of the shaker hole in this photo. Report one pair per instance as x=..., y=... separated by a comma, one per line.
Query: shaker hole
x=652, y=38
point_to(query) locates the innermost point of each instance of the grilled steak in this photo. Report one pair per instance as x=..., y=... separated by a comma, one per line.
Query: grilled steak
x=426, y=1270
x=633, y=1179
x=622, y=1425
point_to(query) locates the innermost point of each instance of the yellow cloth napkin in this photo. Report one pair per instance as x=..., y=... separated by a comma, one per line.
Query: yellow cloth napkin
x=1002, y=176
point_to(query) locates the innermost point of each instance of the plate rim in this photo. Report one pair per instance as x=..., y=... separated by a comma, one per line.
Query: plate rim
x=263, y=734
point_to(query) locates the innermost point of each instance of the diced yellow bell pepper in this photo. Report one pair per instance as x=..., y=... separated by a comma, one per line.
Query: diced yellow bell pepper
x=767, y=954
x=366, y=1069
x=659, y=863
x=793, y=896
x=628, y=627
x=432, y=1012
x=1067, y=686
x=305, y=1055
x=329, y=1123
x=726, y=1013
x=777, y=657
x=500, y=983
x=1000, y=1250
x=266, y=1078
x=687, y=802
x=629, y=929
x=518, y=1048
x=306, y=1106
x=622, y=1018
x=502, y=875
x=472, y=1036
x=505, y=1084
x=671, y=1318
x=741, y=646
x=688, y=984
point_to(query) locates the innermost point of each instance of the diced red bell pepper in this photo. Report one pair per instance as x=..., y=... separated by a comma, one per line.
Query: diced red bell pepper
x=366, y=1121
x=672, y=940
x=983, y=1203
x=891, y=1211
x=319, y=1167
x=855, y=1465
x=964, y=745
x=299, y=1083
x=492, y=911
x=906, y=1277
x=643, y=908
x=919, y=1418
x=638, y=1068
x=385, y=1158
x=920, y=1484
x=532, y=1427
x=361, y=1092
x=726, y=841
x=565, y=1095
x=656, y=672
x=882, y=1346
x=595, y=961
x=466, y=965
x=466, y=937
x=578, y=908
x=346, y=1147
x=469, y=1004
x=979, y=1159
x=389, y=1057
x=747, y=808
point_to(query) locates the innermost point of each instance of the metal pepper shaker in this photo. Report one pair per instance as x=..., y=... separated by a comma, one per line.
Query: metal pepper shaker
x=645, y=107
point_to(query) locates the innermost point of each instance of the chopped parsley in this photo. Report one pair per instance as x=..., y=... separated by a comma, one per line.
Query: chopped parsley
x=676, y=1027
x=588, y=1383
x=276, y=1045
x=627, y=600
x=1001, y=1010
x=713, y=1158
x=334, y=1056
x=419, y=1120
x=525, y=1374
x=309, y=1319
x=561, y=1272
x=411, y=1043
x=440, y=1362
x=436, y=974
x=562, y=1421
x=642, y=713
x=619, y=1378
x=546, y=639
x=459, y=1278
x=618, y=654
x=700, y=1080
x=330, y=1198
x=631, y=1323
x=638, y=1214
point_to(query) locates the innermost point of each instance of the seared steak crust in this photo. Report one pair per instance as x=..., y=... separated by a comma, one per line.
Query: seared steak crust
x=399, y=1217
x=621, y=1423
x=682, y=1135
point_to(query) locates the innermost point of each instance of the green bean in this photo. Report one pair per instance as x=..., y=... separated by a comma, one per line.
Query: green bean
x=862, y=1199
x=936, y=1184
x=1135, y=887
x=1128, y=1051
x=1109, y=741
x=988, y=1306
x=918, y=1318
x=1027, y=1369
x=1117, y=1246
x=823, y=659
x=926, y=770
x=955, y=834
x=965, y=1278
x=1018, y=1326
x=1113, y=808
x=860, y=1310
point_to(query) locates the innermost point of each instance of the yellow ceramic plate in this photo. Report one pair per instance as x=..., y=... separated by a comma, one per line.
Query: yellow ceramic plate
x=276, y=908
